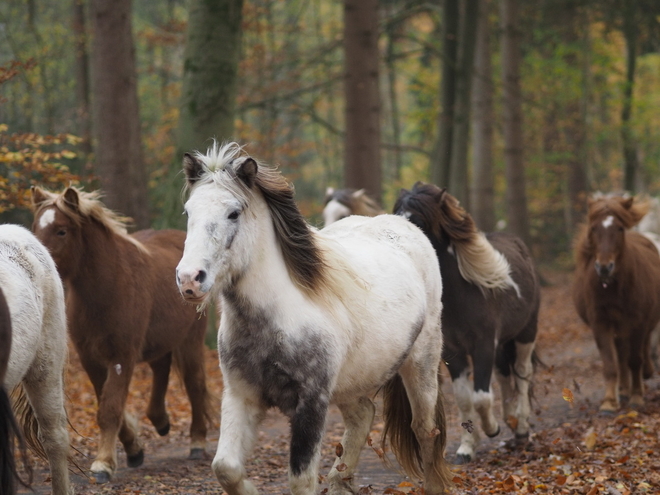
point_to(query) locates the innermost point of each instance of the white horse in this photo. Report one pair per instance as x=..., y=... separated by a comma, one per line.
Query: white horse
x=311, y=318
x=35, y=298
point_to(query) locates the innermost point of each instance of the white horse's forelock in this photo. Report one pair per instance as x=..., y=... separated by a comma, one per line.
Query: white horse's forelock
x=480, y=263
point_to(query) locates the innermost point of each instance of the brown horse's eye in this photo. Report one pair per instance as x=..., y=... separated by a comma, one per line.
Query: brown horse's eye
x=61, y=232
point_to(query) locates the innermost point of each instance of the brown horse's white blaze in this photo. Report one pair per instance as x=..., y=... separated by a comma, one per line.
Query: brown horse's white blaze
x=123, y=308
x=313, y=317
x=617, y=294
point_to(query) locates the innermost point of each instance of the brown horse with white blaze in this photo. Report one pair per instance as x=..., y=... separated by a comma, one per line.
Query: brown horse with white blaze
x=617, y=293
x=123, y=307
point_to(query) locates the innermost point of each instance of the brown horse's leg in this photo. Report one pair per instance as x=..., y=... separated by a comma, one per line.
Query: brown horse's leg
x=190, y=357
x=605, y=341
x=623, y=355
x=638, y=352
x=156, y=411
x=649, y=366
x=110, y=418
x=128, y=436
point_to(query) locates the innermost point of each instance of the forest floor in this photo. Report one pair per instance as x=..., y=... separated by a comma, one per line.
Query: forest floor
x=572, y=449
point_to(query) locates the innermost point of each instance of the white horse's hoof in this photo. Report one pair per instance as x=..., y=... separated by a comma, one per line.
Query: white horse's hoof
x=463, y=459
x=197, y=454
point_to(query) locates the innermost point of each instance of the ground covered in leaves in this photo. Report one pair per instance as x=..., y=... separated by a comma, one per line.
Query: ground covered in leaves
x=572, y=450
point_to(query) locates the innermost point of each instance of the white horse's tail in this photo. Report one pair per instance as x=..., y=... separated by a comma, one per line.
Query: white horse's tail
x=30, y=427
x=28, y=421
x=397, y=415
x=9, y=433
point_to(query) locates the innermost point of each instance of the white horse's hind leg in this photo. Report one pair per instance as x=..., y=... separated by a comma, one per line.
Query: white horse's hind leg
x=421, y=383
x=463, y=393
x=523, y=377
x=47, y=399
x=238, y=426
x=358, y=417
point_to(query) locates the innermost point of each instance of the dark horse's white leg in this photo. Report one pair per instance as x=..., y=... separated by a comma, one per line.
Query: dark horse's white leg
x=358, y=417
x=241, y=417
x=307, y=427
x=524, y=370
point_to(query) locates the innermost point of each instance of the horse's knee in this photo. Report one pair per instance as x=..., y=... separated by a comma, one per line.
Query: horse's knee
x=229, y=474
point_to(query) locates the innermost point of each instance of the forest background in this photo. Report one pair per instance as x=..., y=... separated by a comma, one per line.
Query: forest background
x=588, y=81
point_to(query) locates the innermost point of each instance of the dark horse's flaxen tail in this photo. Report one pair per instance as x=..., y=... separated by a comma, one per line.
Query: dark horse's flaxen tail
x=397, y=415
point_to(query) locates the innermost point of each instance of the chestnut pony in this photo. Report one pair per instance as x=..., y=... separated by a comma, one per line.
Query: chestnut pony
x=341, y=203
x=490, y=311
x=123, y=307
x=617, y=293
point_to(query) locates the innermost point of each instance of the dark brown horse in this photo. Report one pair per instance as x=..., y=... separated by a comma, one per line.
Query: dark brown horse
x=123, y=307
x=617, y=293
x=490, y=300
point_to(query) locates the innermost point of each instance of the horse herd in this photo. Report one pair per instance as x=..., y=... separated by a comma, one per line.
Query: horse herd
x=372, y=302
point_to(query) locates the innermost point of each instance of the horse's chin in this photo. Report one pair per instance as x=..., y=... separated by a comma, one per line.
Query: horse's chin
x=605, y=282
x=197, y=301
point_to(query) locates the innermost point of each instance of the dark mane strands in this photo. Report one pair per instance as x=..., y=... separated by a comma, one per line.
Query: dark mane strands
x=302, y=256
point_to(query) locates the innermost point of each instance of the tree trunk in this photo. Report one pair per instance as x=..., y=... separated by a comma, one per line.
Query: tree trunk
x=441, y=155
x=631, y=163
x=516, y=199
x=362, y=146
x=482, y=199
x=115, y=114
x=82, y=76
x=458, y=175
x=210, y=74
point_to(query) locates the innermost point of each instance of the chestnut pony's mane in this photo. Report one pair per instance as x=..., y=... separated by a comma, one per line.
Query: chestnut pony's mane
x=89, y=207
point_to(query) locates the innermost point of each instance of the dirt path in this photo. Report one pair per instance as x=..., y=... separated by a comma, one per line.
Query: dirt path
x=564, y=344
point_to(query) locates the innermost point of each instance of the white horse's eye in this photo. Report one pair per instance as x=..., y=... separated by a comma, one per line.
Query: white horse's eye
x=233, y=215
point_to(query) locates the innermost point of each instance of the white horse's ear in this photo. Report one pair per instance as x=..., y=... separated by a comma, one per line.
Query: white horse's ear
x=246, y=170
x=192, y=168
x=359, y=193
x=38, y=196
x=71, y=197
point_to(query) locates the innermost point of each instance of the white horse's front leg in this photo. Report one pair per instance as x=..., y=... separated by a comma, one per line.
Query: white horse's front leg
x=307, y=427
x=358, y=417
x=239, y=422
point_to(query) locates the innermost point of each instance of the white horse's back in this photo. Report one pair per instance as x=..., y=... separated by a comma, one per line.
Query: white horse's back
x=35, y=298
x=397, y=265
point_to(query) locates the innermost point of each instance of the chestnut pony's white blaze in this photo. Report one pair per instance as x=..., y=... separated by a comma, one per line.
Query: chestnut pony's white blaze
x=311, y=318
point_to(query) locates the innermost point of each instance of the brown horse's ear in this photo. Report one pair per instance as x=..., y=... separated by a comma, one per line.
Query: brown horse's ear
x=38, y=196
x=627, y=202
x=192, y=168
x=358, y=194
x=71, y=197
x=246, y=170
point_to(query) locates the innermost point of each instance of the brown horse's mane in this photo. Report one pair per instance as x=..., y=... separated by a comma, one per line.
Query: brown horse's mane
x=359, y=202
x=628, y=210
x=479, y=262
x=89, y=207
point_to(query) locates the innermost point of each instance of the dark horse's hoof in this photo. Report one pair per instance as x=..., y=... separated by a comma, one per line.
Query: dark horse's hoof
x=135, y=460
x=101, y=477
x=462, y=459
x=197, y=454
x=496, y=433
x=164, y=430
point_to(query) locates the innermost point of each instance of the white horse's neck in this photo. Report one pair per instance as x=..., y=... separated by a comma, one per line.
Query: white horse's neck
x=267, y=282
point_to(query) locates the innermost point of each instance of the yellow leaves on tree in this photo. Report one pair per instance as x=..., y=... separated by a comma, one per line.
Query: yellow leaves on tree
x=33, y=159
